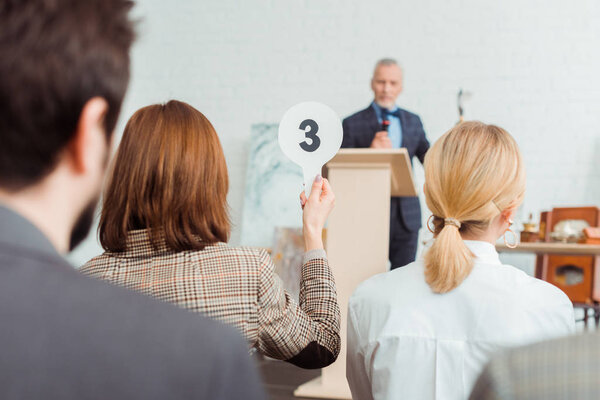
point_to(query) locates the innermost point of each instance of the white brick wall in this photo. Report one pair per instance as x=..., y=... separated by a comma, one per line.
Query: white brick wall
x=533, y=67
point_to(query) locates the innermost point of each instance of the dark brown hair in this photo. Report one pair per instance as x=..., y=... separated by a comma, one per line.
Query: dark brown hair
x=170, y=175
x=55, y=55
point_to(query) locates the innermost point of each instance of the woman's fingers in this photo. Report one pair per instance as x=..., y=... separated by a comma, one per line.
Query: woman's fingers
x=327, y=193
x=303, y=199
x=315, y=192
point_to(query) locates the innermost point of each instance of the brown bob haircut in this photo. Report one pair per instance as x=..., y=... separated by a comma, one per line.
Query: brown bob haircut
x=169, y=175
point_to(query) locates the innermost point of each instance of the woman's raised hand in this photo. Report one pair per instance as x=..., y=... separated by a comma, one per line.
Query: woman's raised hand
x=316, y=210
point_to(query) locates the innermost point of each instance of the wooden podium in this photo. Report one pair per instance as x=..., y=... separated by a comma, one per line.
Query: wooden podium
x=357, y=241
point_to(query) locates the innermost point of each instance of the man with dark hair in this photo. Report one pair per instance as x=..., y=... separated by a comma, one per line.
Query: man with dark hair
x=64, y=69
x=383, y=125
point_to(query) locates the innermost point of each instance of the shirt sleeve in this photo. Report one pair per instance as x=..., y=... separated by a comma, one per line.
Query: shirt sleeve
x=356, y=369
x=556, y=313
x=306, y=334
x=565, y=317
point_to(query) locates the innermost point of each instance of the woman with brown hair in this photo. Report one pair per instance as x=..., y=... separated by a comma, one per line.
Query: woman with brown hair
x=165, y=224
x=425, y=331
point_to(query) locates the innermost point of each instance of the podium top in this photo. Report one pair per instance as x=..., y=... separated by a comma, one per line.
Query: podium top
x=396, y=160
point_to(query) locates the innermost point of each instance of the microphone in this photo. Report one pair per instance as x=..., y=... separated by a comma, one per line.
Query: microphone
x=385, y=124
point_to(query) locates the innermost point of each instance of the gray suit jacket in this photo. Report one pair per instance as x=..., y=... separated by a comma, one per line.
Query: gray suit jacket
x=566, y=368
x=67, y=336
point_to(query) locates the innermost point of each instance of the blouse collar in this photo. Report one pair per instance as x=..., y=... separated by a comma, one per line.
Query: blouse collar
x=483, y=251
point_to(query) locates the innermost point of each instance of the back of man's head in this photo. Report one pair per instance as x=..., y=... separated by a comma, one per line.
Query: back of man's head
x=55, y=55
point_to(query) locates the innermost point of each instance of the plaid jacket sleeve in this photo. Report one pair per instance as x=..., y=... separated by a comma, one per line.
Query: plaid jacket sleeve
x=305, y=334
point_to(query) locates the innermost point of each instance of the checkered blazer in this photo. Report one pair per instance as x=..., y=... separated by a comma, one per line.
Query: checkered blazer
x=238, y=286
x=565, y=368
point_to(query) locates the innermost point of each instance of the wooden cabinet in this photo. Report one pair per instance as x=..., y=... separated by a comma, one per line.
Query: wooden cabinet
x=577, y=276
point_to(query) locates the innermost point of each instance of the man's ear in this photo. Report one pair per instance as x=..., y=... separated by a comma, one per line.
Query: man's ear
x=89, y=134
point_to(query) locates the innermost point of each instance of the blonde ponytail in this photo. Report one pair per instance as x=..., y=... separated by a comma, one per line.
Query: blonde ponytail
x=471, y=173
x=448, y=261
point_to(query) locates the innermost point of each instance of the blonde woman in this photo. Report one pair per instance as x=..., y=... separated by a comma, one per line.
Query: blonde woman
x=426, y=330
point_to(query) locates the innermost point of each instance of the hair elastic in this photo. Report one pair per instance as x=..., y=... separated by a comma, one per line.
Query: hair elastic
x=453, y=222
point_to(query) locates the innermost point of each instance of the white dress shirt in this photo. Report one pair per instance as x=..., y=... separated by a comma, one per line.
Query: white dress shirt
x=407, y=342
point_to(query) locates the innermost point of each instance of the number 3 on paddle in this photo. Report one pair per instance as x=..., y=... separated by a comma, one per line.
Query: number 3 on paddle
x=311, y=134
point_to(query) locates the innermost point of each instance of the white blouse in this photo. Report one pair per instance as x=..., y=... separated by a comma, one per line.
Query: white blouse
x=406, y=342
